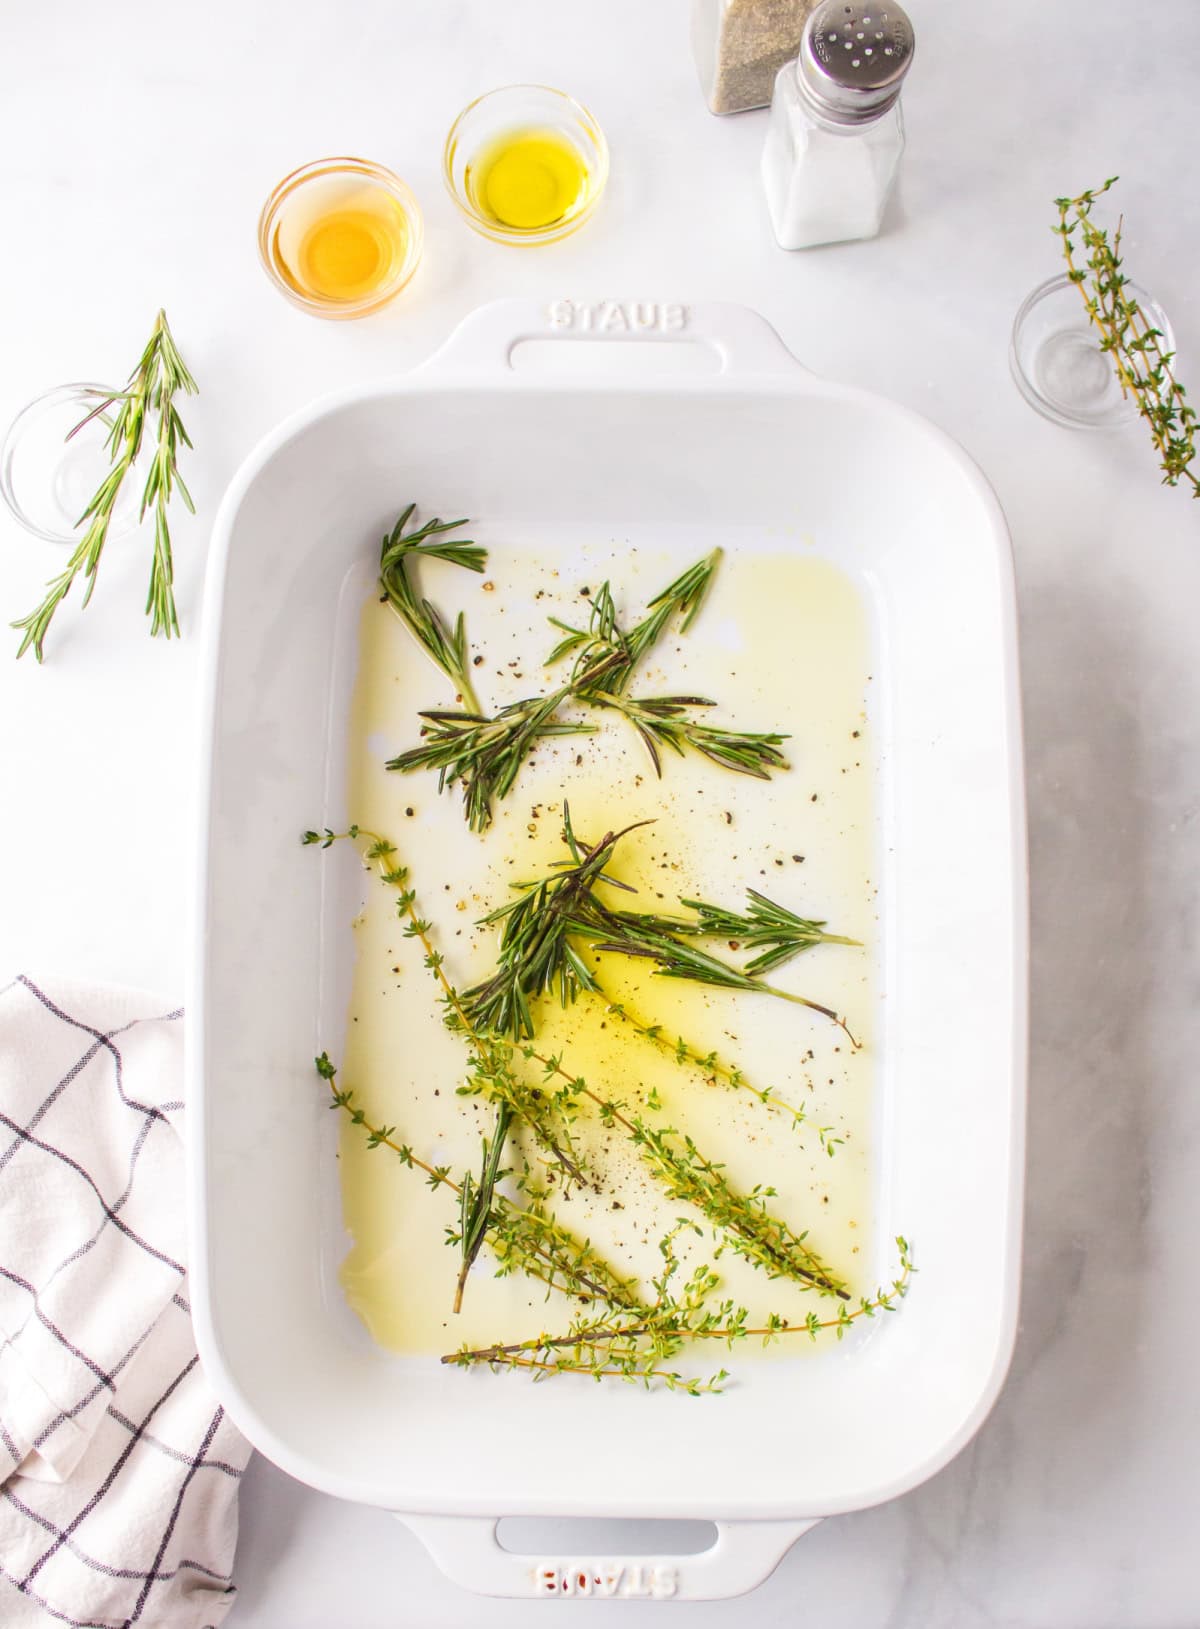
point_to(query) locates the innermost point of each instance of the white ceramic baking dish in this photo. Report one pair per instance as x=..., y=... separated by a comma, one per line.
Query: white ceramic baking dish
x=757, y=443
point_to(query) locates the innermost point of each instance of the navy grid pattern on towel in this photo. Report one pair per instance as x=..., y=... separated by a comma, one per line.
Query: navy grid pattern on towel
x=118, y=1469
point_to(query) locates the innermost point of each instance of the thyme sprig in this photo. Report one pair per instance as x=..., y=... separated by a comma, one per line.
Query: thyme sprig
x=634, y=1348
x=1145, y=371
x=527, y=1240
x=714, y=1070
x=446, y=647
x=489, y=1058
x=688, y=1174
x=632, y=1338
x=157, y=379
x=750, y=1228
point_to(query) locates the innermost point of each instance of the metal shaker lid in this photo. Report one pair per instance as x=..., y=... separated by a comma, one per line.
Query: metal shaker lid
x=853, y=58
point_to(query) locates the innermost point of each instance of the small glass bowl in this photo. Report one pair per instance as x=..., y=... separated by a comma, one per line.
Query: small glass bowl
x=49, y=475
x=1057, y=362
x=507, y=112
x=326, y=186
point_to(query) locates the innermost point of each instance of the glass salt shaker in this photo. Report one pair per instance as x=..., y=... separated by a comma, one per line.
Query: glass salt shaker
x=836, y=134
x=740, y=45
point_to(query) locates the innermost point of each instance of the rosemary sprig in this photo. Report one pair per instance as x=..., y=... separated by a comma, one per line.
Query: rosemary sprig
x=1144, y=369
x=779, y=934
x=159, y=375
x=606, y=657
x=666, y=721
x=446, y=647
x=631, y=1347
x=674, y=959
x=537, y=954
x=484, y=755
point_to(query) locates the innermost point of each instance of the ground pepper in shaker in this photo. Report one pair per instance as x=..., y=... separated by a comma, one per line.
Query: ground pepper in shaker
x=740, y=45
x=836, y=134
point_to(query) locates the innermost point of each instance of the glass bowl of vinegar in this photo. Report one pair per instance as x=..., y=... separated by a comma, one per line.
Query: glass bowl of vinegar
x=526, y=164
x=340, y=237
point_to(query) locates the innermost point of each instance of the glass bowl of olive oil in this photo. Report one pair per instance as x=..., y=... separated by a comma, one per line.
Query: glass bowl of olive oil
x=340, y=237
x=526, y=164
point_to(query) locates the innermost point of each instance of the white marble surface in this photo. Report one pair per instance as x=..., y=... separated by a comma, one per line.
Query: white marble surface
x=136, y=142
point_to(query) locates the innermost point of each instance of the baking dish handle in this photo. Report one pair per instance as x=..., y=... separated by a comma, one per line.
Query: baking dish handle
x=467, y=1550
x=744, y=343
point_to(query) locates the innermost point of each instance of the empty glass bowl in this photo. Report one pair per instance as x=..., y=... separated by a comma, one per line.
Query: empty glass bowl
x=55, y=457
x=1057, y=362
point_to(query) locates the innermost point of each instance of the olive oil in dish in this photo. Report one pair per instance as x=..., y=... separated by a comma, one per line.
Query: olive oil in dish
x=528, y=179
x=526, y=164
x=784, y=643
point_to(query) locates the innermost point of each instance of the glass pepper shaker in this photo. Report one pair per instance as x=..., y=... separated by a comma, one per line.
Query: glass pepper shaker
x=740, y=45
x=835, y=134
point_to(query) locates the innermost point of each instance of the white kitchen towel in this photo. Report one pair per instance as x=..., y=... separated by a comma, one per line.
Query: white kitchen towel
x=118, y=1469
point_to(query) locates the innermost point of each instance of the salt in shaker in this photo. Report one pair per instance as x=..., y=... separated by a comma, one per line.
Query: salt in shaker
x=835, y=133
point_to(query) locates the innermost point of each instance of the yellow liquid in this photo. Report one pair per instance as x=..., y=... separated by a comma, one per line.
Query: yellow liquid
x=527, y=179
x=783, y=643
x=346, y=252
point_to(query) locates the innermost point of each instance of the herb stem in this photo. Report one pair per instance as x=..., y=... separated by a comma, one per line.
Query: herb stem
x=159, y=375
x=1143, y=369
x=603, y=1333
x=538, y=1244
x=446, y=647
x=689, y=1175
x=707, y=1062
